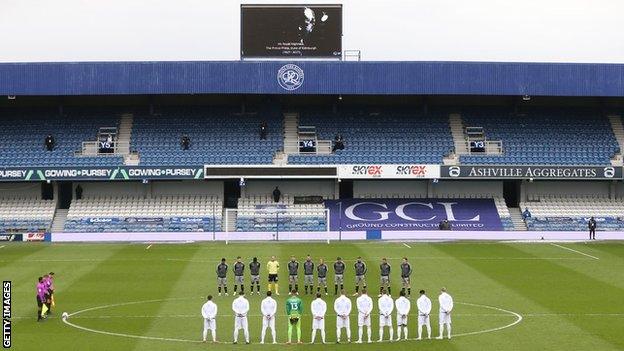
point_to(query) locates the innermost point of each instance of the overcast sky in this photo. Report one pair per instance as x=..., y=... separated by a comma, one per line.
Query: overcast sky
x=395, y=30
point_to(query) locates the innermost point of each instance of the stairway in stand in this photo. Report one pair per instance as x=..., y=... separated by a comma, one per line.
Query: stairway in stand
x=58, y=222
x=516, y=219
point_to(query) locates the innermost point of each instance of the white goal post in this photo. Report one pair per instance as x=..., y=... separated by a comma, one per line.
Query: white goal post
x=266, y=223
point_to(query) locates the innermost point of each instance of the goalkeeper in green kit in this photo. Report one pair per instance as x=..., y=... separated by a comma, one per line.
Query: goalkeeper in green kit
x=294, y=308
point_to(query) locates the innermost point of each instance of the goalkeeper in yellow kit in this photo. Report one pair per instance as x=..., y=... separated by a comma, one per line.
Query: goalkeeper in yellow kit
x=294, y=308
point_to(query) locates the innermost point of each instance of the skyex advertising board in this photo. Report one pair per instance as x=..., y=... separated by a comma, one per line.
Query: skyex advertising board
x=392, y=171
x=532, y=172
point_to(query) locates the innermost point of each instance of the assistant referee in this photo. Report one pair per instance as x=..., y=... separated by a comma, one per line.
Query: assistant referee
x=273, y=269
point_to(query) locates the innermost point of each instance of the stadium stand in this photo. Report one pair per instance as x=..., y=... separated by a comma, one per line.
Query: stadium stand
x=20, y=149
x=571, y=213
x=18, y=214
x=223, y=136
x=218, y=136
x=389, y=136
x=171, y=213
x=544, y=137
x=261, y=213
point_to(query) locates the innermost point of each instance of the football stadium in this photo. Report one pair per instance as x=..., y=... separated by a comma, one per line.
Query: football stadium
x=323, y=175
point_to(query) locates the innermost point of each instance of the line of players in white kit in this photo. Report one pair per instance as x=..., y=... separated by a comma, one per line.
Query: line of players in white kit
x=343, y=308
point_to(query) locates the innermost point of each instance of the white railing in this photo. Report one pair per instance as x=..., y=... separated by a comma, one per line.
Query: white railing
x=307, y=130
x=351, y=55
x=108, y=131
x=494, y=147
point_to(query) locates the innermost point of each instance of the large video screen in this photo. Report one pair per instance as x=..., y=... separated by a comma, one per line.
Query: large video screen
x=285, y=31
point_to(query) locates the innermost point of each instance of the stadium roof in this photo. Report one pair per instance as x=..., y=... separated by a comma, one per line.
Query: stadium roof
x=319, y=77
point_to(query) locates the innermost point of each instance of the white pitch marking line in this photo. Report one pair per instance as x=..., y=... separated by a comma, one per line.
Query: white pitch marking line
x=148, y=247
x=578, y=252
x=2, y=246
x=373, y=258
x=194, y=316
x=409, y=247
x=518, y=319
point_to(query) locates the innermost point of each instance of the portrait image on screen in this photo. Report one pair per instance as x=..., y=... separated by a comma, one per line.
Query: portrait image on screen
x=281, y=31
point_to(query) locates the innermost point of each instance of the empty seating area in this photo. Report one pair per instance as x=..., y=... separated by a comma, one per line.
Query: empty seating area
x=20, y=215
x=23, y=132
x=544, y=137
x=171, y=213
x=571, y=213
x=386, y=137
x=503, y=213
x=260, y=213
x=218, y=136
x=224, y=135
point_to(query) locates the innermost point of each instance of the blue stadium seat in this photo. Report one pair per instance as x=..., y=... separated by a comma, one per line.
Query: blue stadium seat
x=544, y=136
x=390, y=136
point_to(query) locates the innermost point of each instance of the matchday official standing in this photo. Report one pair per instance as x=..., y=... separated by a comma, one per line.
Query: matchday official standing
x=592, y=228
x=48, y=281
x=41, y=292
x=273, y=269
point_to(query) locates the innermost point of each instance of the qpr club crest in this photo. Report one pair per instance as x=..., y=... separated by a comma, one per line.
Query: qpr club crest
x=454, y=171
x=290, y=77
x=609, y=172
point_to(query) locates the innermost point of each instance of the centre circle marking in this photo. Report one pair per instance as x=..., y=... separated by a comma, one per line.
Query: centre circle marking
x=518, y=319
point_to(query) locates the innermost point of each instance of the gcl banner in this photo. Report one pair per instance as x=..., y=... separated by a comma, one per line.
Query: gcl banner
x=412, y=214
x=394, y=171
x=532, y=172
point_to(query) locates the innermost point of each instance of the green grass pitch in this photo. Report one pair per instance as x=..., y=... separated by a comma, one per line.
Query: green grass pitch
x=570, y=295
